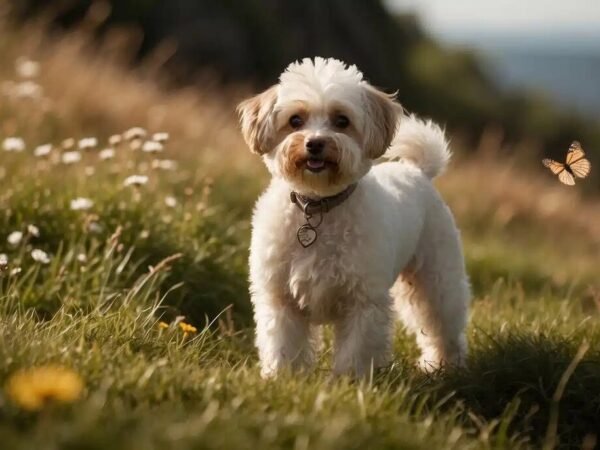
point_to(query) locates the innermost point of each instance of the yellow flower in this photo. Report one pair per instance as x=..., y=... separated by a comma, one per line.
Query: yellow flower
x=163, y=325
x=187, y=328
x=33, y=388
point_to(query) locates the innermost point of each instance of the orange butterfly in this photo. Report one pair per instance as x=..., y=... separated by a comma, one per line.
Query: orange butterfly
x=575, y=165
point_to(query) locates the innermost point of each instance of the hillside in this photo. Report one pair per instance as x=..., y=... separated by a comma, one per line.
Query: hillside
x=107, y=273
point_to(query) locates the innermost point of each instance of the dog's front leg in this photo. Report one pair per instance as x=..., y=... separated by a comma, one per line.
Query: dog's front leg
x=363, y=338
x=284, y=338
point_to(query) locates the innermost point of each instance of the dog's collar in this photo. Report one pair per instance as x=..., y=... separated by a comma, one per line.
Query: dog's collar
x=322, y=205
x=307, y=233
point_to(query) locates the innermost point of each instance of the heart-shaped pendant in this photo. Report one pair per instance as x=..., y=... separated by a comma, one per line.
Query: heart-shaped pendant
x=307, y=235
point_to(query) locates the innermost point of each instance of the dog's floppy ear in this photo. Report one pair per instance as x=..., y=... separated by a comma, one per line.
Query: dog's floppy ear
x=383, y=112
x=256, y=120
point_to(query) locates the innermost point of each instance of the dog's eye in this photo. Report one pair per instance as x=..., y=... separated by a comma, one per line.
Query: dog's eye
x=296, y=121
x=341, y=121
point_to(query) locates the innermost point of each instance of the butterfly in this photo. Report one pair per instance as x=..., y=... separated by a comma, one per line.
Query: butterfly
x=576, y=165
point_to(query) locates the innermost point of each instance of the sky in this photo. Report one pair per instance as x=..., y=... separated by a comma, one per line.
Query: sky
x=579, y=18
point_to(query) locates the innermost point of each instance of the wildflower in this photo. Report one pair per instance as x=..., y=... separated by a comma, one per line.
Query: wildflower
x=68, y=143
x=42, y=150
x=87, y=143
x=135, y=144
x=15, y=271
x=3, y=261
x=71, y=157
x=81, y=204
x=152, y=147
x=164, y=164
x=40, y=256
x=170, y=201
x=82, y=258
x=187, y=329
x=95, y=227
x=33, y=230
x=15, y=238
x=134, y=133
x=107, y=153
x=144, y=234
x=33, y=388
x=115, y=139
x=160, y=137
x=163, y=325
x=135, y=180
x=26, y=68
x=13, y=144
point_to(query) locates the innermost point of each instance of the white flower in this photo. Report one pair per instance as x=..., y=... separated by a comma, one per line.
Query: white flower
x=15, y=271
x=15, y=237
x=160, y=137
x=81, y=204
x=152, y=147
x=171, y=202
x=135, y=144
x=13, y=144
x=33, y=230
x=40, y=256
x=3, y=260
x=89, y=142
x=135, y=133
x=95, y=227
x=164, y=164
x=26, y=68
x=68, y=143
x=42, y=150
x=107, y=153
x=81, y=257
x=135, y=180
x=115, y=139
x=71, y=157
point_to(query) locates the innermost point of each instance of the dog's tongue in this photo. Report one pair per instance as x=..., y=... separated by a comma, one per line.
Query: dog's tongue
x=315, y=163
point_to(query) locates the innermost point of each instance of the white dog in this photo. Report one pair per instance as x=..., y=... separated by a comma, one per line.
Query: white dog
x=341, y=238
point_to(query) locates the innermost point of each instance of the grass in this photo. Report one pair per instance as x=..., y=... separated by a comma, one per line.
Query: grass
x=532, y=249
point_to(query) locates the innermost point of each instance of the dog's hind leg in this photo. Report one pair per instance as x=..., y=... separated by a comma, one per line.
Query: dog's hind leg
x=432, y=297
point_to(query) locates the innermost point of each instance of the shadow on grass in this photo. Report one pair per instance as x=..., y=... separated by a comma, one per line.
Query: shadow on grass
x=527, y=367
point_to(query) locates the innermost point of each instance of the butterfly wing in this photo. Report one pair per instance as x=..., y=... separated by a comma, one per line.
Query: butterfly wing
x=581, y=168
x=554, y=166
x=575, y=153
x=566, y=178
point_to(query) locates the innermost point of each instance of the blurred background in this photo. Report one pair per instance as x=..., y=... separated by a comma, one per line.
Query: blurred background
x=526, y=74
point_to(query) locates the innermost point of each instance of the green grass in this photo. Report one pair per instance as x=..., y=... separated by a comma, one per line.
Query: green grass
x=150, y=388
x=96, y=307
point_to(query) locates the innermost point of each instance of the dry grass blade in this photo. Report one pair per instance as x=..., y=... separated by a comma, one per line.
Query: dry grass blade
x=552, y=431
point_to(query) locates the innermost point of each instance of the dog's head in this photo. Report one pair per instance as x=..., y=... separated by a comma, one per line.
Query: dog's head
x=320, y=127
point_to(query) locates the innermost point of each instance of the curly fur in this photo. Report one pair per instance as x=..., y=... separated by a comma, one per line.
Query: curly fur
x=391, y=250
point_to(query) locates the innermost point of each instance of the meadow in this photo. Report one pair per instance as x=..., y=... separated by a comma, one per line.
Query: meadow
x=123, y=269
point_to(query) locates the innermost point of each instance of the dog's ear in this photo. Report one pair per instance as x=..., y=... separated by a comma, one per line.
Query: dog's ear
x=383, y=112
x=256, y=120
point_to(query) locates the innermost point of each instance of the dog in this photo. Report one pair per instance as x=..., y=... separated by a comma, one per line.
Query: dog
x=350, y=231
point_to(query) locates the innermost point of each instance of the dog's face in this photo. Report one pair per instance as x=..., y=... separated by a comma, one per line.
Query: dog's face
x=320, y=127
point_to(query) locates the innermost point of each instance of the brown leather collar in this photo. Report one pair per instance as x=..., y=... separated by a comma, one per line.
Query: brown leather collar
x=310, y=206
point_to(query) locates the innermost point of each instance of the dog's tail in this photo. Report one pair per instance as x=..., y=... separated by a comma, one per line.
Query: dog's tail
x=421, y=142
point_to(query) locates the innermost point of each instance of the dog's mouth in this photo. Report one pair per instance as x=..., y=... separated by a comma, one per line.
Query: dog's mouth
x=315, y=164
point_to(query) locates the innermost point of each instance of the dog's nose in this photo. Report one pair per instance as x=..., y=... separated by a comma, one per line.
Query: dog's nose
x=315, y=146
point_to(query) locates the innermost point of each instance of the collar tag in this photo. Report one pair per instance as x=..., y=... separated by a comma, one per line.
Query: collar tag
x=307, y=233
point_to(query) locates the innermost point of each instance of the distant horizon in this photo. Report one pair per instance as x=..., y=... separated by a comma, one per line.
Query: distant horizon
x=540, y=23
